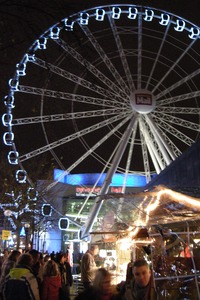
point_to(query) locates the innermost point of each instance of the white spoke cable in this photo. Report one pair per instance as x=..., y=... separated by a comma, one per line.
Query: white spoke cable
x=174, y=65
x=70, y=138
x=122, y=54
x=174, y=131
x=178, y=110
x=88, y=153
x=164, y=147
x=157, y=56
x=139, y=62
x=67, y=116
x=145, y=157
x=71, y=97
x=154, y=151
x=179, y=121
x=178, y=83
x=76, y=79
x=109, y=83
x=105, y=59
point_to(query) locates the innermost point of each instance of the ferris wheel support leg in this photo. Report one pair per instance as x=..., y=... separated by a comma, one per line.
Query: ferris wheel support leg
x=99, y=200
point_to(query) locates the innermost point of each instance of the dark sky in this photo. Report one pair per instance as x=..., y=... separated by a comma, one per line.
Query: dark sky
x=21, y=22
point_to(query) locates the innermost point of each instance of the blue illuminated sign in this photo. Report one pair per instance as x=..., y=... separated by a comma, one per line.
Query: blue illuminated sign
x=132, y=180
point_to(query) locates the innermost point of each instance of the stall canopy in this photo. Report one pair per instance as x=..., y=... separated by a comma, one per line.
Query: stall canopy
x=160, y=206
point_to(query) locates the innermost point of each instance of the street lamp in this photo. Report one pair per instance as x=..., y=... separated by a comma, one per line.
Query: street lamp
x=26, y=228
x=7, y=213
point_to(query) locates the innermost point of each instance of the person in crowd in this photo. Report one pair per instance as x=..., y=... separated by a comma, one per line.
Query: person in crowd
x=5, y=254
x=140, y=287
x=36, y=261
x=41, y=266
x=36, y=266
x=88, y=266
x=21, y=283
x=70, y=255
x=66, y=273
x=8, y=264
x=47, y=257
x=52, y=255
x=102, y=289
x=51, y=281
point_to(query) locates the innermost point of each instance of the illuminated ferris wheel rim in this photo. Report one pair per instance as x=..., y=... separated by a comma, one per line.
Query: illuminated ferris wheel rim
x=148, y=14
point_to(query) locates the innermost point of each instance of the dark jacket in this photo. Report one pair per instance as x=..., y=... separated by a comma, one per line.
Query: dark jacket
x=20, y=284
x=93, y=293
x=66, y=273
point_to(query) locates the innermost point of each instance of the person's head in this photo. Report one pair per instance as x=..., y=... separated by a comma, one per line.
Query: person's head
x=61, y=257
x=94, y=249
x=35, y=255
x=50, y=268
x=25, y=260
x=141, y=272
x=47, y=257
x=102, y=281
x=13, y=256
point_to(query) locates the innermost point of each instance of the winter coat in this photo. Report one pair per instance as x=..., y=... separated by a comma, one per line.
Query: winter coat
x=93, y=293
x=88, y=267
x=50, y=287
x=132, y=292
x=6, y=267
x=20, y=284
x=66, y=273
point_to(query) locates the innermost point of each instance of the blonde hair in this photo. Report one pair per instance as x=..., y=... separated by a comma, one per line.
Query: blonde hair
x=100, y=276
x=50, y=268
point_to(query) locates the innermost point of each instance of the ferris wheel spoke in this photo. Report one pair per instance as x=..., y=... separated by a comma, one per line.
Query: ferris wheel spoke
x=139, y=62
x=175, y=64
x=155, y=152
x=68, y=116
x=69, y=96
x=178, y=98
x=165, y=148
x=178, y=110
x=145, y=157
x=132, y=143
x=157, y=56
x=150, y=146
x=109, y=83
x=89, y=151
x=105, y=59
x=179, y=121
x=177, y=84
x=122, y=54
x=76, y=79
x=70, y=138
x=174, y=131
x=174, y=148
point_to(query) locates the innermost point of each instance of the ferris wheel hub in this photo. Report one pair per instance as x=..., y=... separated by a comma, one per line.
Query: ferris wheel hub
x=142, y=101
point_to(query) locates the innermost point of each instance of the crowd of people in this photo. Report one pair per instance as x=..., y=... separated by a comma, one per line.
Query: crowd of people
x=32, y=276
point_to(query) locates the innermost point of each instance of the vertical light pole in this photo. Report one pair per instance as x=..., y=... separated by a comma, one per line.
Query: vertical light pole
x=26, y=228
x=7, y=214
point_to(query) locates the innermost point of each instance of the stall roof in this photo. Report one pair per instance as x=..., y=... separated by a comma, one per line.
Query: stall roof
x=159, y=206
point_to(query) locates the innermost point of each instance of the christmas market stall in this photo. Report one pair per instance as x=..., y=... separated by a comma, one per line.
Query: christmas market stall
x=162, y=226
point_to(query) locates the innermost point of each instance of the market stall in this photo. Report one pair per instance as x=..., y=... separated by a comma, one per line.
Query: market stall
x=162, y=226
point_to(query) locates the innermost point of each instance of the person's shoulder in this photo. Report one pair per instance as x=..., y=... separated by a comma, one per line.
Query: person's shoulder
x=89, y=294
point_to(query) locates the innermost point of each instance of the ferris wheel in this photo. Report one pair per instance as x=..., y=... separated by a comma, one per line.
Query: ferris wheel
x=110, y=89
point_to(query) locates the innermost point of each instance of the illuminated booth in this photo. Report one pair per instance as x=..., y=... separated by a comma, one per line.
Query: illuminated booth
x=162, y=226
